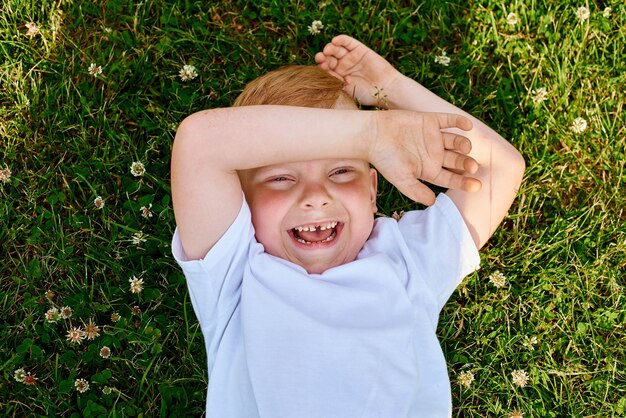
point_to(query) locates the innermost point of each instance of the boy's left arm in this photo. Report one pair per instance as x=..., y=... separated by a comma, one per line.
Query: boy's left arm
x=501, y=166
x=368, y=76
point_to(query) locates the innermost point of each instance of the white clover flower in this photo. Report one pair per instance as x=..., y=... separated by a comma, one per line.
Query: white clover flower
x=136, y=285
x=19, y=375
x=32, y=29
x=520, y=378
x=98, y=202
x=146, y=212
x=516, y=414
x=188, y=72
x=30, y=379
x=91, y=330
x=606, y=12
x=52, y=315
x=443, y=59
x=106, y=390
x=105, y=352
x=316, y=27
x=465, y=378
x=579, y=125
x=75, y=335
x=137, y=169
x=582, y=13
x=138, y=238
x=498, y=279
x=81, y=385
x=530, y=342
x=540, y=95
x=66, y=312
x=94, y=70
x=511, y=19
x=5, y=175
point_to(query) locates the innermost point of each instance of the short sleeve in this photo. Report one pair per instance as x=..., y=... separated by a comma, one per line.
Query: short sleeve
x=441, y=246
x=214, y=282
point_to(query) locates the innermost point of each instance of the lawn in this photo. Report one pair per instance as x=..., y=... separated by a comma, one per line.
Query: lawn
x=95, y=314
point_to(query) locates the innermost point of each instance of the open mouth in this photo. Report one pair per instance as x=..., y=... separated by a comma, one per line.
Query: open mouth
x=316, y=233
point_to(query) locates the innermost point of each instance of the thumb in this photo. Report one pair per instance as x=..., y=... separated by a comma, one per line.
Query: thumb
x=419, y=192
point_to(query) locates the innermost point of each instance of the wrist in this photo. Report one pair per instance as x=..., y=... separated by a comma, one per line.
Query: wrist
x=375, y=129
x=396, y=91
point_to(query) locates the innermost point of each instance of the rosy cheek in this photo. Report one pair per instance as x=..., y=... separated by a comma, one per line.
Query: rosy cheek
x=268, y=209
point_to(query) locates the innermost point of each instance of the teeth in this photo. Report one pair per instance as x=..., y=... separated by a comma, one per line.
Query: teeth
x=330, y=238
x=312, y=228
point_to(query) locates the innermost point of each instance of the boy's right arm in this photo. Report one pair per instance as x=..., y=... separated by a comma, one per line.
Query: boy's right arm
x=212, y=145
x=376, y=82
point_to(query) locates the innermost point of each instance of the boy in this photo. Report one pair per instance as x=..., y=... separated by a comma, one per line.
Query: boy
x=309, y=307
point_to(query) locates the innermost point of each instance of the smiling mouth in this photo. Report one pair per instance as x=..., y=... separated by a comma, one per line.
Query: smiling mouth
x=315, y=233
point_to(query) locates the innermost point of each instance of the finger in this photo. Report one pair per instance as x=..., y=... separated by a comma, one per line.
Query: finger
x=345, y=41
x=329, y=49
x=335, y=51
x=326, y=63
x=471, y=185
x=336, y=75
x=332, y=62
x=323, y=64
x=320, y=58
x=451, y=120
x=418, y=192
x=456, y=161
x=451, y=180
x=456, y=142
x=448, y=179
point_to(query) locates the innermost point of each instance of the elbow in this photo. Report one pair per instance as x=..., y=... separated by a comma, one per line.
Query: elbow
x=518, y=165
x=508, y=165
x=184, y=134
x=196, y=133
x=189, y=148
x=512, y=167
x=512, y=162
x=188, y=129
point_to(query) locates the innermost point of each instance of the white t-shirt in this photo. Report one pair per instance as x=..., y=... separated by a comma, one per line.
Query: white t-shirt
x=356, y=341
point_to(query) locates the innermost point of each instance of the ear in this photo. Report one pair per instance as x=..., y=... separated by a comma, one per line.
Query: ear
x=373, y=188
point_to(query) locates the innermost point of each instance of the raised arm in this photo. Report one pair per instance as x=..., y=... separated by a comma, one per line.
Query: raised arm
x=376, y=82
x=212, y=146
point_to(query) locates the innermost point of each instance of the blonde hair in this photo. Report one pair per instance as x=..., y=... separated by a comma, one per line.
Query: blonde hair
x=294, y=85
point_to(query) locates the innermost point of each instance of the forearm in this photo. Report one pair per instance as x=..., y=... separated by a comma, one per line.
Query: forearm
x=212, y=146
x=254, y=136
x=501, y=167
x=500, y=177
x=405, y=93
x=487, y=145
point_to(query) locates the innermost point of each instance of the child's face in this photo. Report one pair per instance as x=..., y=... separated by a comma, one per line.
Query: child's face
x=317, y=214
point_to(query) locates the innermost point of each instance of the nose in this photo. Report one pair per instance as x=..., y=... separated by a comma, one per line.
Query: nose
x=315, y=196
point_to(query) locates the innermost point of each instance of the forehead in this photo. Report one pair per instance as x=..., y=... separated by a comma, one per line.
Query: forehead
x=306, y=165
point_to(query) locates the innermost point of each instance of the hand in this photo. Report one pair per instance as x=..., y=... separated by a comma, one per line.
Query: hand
x=411, y=145
x=367, y=75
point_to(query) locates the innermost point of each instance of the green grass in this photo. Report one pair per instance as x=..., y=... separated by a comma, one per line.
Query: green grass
x=68, y=137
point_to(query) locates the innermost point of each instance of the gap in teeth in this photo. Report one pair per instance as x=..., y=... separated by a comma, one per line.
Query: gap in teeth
x=312, y=228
